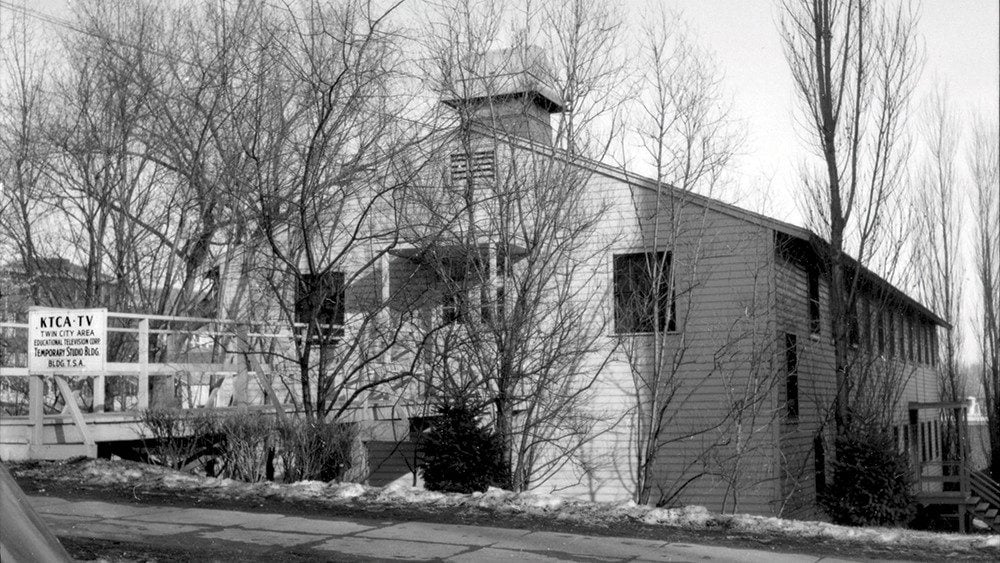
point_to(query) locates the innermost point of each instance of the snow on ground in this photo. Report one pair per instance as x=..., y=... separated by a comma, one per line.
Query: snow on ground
x=104, y=472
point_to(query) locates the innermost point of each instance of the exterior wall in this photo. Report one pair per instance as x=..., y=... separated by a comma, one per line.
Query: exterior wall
x=717, y=445
x=915, y=377
x=816, y=385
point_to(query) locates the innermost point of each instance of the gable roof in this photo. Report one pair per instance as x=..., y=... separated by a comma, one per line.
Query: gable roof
x=818, y=243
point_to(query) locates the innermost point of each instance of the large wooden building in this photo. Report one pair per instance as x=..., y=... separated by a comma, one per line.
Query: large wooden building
x=689, y=328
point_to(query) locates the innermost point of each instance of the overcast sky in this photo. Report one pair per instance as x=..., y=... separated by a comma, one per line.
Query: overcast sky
x=962, y=44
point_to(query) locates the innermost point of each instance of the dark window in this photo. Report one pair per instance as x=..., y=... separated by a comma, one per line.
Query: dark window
x=455, y=307
x=920, y=342
x=814, y=316
x=902, y=337
x=485, y=299
x=934, y=345
x=909, y=339
x=791, y=377
x=819, y=464
x=892, y=334
x=925, y=338
x=853, y=327
x=474, y=165
x=922, y=432
x=881, y=332
x=320, y=299
x=866, y=325
x=459, y=278
x=643, y=297
x=210, y=301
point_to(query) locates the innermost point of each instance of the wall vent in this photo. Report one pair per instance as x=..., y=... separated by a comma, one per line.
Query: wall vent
x=477, y=165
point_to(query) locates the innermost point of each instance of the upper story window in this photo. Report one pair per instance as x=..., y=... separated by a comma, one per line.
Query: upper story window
x=459, y=277
x=791, y=378
x=866, y=325
x=473, y=165
x=881, y=332
x=320, y=298
x=644, y=300
x=902, y=337
x=934, y=345
x=455, y=307
x=814, y=309
x=853, y=327
x=892, y=334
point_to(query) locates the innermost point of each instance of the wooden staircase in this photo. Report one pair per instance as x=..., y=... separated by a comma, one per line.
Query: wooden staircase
x=984, y=499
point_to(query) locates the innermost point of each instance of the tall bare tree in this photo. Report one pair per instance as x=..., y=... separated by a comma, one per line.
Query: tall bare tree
x=854, y=63
x=512, y=236
x=327, y=160
x=689, y=139
x=984, y=164
x=938, y=244
x=25, y=112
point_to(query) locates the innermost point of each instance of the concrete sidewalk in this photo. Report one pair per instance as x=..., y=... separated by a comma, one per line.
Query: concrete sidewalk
x=270, y=535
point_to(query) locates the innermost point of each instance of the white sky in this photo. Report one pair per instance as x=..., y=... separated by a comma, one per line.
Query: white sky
x=962, y=44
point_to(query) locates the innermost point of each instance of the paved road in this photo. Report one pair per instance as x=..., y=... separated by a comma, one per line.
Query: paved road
x=270, y=536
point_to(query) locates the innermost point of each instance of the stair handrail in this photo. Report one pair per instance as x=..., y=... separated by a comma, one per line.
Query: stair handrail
x=984, y=487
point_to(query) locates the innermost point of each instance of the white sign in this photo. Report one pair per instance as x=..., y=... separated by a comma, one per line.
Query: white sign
x=67, y=341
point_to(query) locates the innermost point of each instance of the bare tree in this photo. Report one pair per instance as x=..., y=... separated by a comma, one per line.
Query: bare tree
x=937, y=246
x=854, y=64
x=510, y=235
x=939, y=240
x=25, y=111
x=984, y=164
x=327, y=161
x=686, y=132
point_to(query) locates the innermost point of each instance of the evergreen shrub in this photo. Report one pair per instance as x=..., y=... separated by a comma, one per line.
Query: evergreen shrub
x=461, y=456
x=871, y=481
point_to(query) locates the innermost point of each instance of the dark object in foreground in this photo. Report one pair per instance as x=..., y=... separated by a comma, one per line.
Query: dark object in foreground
x=23, y=535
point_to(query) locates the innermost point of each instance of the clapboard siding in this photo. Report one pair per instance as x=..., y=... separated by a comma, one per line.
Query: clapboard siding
x=816, y=384
x=723, y=270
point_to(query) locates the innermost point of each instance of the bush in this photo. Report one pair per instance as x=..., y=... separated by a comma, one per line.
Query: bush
x=460, y=456
x=871, y=481
x=247, y=449
x=175, y=438
x=315, y=450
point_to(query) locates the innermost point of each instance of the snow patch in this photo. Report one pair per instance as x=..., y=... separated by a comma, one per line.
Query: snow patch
x=105, y=472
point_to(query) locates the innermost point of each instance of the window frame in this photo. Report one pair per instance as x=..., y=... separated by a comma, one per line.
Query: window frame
x=332, y=312
x=634, y=261
x=813, y=296
x=792, y=405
